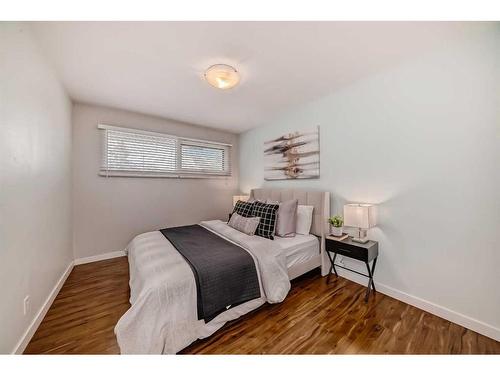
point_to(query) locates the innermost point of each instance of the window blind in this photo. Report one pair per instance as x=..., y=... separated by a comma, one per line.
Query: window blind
x=199, y=157
x=131, y=152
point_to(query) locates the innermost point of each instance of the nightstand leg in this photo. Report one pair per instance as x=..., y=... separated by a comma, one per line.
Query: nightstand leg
x=368, y=288
x=373, y=273
x=332, y=266
x=371, y=284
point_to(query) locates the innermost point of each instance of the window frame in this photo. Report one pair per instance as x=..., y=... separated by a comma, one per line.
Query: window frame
x=179, y=141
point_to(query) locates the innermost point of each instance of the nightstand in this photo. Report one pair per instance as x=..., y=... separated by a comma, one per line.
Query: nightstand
x=364, y=252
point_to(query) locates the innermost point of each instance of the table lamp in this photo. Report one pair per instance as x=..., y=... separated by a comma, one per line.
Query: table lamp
x=361, y=216
x=237, y=198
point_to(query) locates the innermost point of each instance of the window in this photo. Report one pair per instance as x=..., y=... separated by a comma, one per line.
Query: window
x=130, y=152
x=200, y=157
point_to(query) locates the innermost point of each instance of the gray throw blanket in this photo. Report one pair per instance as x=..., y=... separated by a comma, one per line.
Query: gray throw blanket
x=225, y=273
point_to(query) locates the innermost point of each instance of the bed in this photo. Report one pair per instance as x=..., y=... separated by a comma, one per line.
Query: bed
x=163, y=292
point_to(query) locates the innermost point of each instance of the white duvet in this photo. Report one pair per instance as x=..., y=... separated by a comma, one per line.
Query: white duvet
x=163, y=315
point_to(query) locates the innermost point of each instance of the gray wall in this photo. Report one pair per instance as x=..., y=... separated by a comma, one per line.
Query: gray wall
x=422, y=141
x=109, y=212
x=35, y=181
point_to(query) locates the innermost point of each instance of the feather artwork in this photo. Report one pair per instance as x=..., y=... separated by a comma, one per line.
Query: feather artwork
x=292, y=156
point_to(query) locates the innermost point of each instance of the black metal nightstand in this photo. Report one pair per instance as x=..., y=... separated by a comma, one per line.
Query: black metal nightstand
x=364, y=252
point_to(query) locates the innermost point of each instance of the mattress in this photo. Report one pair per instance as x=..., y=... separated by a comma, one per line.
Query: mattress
x=298, y=249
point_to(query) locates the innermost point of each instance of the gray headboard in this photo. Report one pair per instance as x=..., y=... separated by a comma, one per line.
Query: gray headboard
x=319, y=199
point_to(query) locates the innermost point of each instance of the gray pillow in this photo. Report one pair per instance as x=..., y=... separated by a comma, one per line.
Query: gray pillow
x=247, y=225
x=287, y=217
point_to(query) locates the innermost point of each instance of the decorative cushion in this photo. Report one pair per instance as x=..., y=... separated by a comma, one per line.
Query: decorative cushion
x=244, y=208
x=247, y=225
x=267, y=214
x=304, y=219
x=287, y=217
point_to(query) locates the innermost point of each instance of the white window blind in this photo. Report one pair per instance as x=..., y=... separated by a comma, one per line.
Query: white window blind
x=200, y=157
x=131, y=152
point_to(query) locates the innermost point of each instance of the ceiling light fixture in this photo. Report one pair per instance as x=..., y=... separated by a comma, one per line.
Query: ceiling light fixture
x=222, y=76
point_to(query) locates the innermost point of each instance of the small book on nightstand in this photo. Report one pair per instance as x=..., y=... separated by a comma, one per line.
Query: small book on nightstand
x=339, y=238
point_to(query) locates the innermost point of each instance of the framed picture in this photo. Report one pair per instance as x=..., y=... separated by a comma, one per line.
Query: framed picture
x=292, y=156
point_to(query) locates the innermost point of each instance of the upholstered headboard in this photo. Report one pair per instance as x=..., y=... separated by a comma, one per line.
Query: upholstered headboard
x=319, y=199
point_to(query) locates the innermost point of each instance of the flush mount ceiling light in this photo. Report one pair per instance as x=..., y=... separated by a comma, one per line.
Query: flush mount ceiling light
x=222, y=76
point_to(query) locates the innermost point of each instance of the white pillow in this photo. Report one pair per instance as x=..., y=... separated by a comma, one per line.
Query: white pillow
x=304, y=219
x=247, y=225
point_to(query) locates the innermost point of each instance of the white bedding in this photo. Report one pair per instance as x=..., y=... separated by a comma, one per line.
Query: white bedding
x=298, y=249
x=163, y=315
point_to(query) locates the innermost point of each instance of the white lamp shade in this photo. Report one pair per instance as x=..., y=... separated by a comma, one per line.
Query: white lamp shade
x=237, y=198
x=360, y=215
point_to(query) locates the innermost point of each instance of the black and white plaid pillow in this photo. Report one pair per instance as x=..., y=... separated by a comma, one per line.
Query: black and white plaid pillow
x=268, y=214
x=244, y=208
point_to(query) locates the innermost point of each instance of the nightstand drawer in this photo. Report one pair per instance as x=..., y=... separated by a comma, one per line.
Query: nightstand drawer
x=347, y=250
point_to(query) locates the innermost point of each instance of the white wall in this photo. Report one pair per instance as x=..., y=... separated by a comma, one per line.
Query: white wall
x=110, y=211
x=423, y=141
x=35, y=181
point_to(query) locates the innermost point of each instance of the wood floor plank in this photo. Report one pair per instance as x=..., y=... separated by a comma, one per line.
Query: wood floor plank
x=317, y=317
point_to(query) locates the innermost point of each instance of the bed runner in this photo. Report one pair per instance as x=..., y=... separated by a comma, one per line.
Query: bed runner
x=225, y=273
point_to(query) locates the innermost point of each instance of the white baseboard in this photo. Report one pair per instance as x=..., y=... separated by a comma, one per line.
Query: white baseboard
x=28, y=335
x=443, y=312
x=96, y=258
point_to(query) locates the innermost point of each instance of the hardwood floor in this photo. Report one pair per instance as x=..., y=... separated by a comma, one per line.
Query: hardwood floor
x=314, y=318
x=84, y=313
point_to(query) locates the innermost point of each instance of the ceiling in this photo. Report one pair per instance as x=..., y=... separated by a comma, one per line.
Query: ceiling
x=157, y=67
